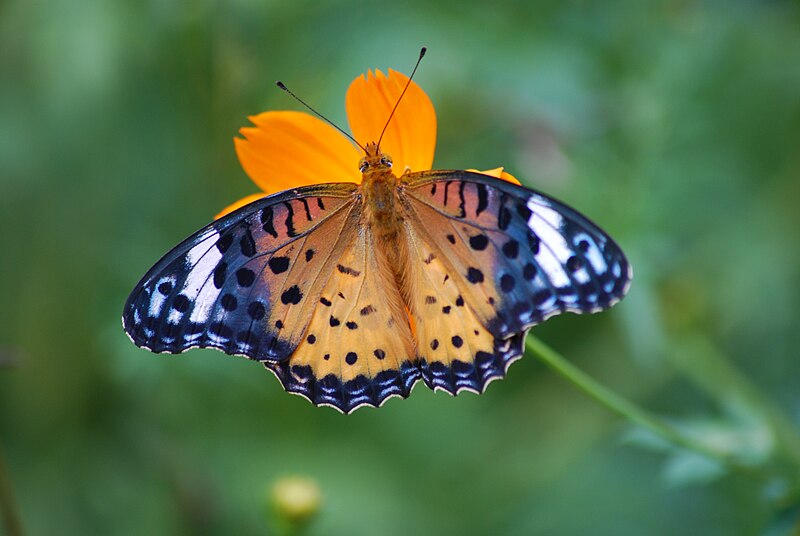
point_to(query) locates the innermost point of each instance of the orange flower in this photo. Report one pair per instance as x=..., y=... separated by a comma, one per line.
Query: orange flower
x=290, y=149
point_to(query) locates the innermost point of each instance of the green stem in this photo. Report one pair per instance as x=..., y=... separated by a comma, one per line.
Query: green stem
x=624, y=407
x=8, y=509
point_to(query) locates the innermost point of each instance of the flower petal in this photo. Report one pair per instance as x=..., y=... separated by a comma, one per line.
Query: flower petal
x=498, y=173
x=410, y=137
x=239, y=204
x=289, y=149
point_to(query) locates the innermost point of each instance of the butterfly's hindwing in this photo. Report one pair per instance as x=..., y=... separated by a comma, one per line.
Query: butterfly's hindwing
x=511, y=256
x=230, y=285
x=358, y=347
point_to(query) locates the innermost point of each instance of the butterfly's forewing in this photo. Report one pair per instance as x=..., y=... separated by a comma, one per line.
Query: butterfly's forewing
x=246, y=283
x=491, y=259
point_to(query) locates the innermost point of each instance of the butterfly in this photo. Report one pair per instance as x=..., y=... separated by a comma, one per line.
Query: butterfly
x=352, y=293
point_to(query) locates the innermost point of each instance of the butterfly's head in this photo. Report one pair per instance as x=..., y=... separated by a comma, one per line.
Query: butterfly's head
x=374, y=160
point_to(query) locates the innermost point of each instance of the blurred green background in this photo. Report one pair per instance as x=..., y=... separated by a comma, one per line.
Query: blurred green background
x=675, y=125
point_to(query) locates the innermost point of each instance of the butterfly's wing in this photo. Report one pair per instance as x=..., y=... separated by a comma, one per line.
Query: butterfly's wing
x=358, y=349
x=489, y=259
x=290, y=280
x=232, y=284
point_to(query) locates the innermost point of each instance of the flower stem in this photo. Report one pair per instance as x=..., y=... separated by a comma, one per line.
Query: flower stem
x=626, y=408
x=8, y=509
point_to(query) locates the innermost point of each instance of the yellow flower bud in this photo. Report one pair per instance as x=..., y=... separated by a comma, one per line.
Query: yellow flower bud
x=295, y=498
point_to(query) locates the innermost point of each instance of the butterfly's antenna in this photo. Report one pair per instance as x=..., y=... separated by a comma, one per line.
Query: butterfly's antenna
x=331, y=123
x=421, y=55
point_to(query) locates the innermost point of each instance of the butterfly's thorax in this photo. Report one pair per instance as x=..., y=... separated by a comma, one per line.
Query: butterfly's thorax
x=379, y=191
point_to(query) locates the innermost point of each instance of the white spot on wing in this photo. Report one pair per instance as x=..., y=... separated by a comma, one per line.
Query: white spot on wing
x=553, y=252
x=216, y=338
x=156, y=302
x=203, y=258
x=581, y=276
x=174, y=316
x=546, y=212
x=593, y=254
x=156, y=298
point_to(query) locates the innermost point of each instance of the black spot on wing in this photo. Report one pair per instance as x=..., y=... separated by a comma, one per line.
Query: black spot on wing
x=483, y=199
x=247, y=244
x=292, y=296
x=225, y=242
x=289, y=223
x=267, y=224
x=347, y=270
x=478, y=242
x=256, y=310
x=511, y=249
x=278, y=265
x=474, y=275
x=461, y=205
x=245, y=277
x=574, y=264
x=304, y=201
x=180, y=303
x=503, y=214
x=220, y=273
x=229, y=302
x=507, y=283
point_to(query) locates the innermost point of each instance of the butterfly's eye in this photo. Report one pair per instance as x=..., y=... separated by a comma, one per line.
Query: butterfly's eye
x=363, y=165
x=386, y=161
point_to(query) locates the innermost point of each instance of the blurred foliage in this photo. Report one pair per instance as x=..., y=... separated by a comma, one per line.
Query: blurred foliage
x=676, y=125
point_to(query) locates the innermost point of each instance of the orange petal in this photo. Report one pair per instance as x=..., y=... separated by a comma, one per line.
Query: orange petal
x=239, y=204
x=410, y=138
x=498, y=173
x=289, y=149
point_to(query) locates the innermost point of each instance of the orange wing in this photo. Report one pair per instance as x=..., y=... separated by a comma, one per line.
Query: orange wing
x=489, y=259
x=294, y=281
x=245, y=284
x=358, y=348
